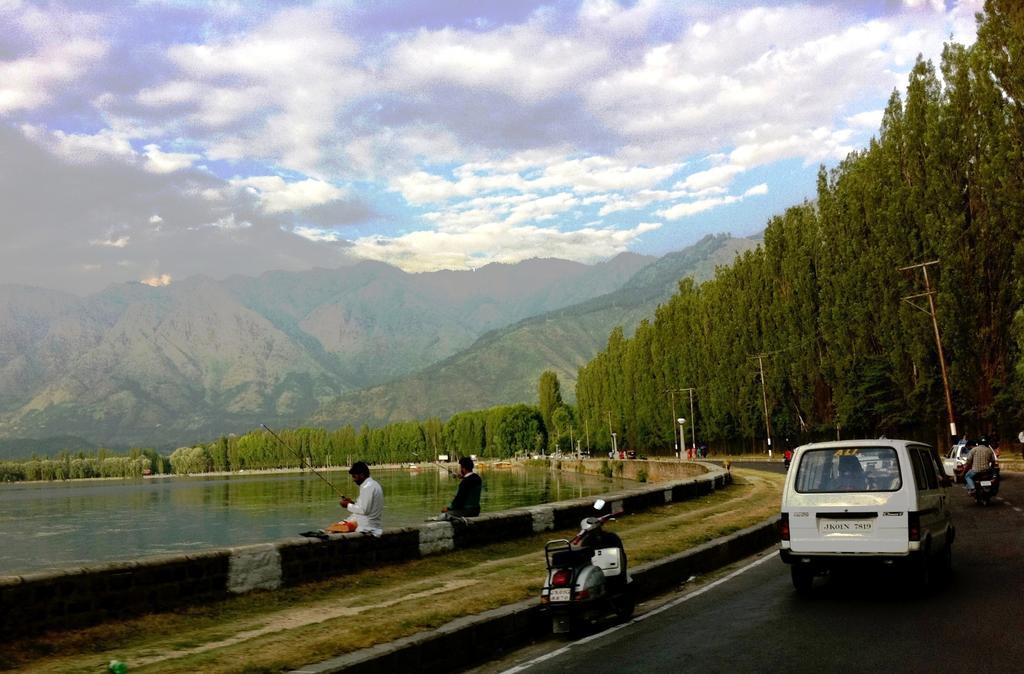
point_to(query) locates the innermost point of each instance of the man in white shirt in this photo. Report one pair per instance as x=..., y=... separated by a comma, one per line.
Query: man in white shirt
x=368, y=509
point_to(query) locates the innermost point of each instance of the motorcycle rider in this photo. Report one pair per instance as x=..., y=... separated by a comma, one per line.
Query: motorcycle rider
x=981, y=457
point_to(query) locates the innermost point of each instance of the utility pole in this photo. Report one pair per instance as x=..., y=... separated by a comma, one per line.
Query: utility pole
x=930, y=294
x=610, y=432
x=764, y=400
x=676, y=439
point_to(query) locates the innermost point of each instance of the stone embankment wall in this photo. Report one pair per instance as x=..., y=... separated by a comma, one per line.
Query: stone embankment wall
x=70, y=598
x=649, y=471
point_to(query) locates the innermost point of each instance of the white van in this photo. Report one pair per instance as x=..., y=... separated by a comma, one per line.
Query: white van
x=865, y=501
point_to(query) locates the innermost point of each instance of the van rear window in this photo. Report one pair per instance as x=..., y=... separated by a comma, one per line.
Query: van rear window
x=848, y=469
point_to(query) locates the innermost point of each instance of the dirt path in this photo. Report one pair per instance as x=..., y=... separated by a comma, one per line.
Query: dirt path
x=300, y=617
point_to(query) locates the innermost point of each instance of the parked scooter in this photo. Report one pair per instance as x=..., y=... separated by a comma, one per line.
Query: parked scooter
x=587, y=577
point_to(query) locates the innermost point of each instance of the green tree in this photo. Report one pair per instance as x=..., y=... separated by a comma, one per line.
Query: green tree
x=549, y=394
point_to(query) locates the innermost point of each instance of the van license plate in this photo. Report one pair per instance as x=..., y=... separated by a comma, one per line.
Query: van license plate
x=561, y=594
x=986, y=483
x=844, y=526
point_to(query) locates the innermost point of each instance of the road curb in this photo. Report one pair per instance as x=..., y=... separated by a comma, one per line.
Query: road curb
x=477, y=638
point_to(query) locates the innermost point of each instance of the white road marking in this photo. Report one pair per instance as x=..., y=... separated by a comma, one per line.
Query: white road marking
x=660, y=609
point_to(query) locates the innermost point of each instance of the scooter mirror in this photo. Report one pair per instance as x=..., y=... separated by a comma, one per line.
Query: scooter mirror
x=599, y=504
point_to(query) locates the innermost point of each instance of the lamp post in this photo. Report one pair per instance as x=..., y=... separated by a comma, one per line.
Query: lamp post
x=615, y=445
x=682, y=434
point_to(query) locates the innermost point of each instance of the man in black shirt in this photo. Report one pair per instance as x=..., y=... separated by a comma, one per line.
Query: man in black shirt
x=467, y=499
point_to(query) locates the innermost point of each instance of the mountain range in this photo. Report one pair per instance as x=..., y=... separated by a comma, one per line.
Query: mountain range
x=367, y=343
x=504, y=365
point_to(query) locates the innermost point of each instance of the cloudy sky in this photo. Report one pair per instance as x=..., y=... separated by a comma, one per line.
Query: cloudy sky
x=155, y=140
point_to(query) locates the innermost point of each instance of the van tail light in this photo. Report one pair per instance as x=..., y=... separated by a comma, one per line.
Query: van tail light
x=561, y=578
x=914, y=526
x=784, y=527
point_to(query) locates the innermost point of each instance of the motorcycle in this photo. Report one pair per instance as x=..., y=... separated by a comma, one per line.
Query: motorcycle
x=587, y=579
x=986, y=485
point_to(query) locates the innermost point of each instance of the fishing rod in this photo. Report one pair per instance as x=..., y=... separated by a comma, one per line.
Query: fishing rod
x=450, y=471
x=302, y=458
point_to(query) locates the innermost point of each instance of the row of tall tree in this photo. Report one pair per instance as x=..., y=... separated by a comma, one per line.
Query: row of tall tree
x=102, y=463
x=498, y=432
x=820, y=310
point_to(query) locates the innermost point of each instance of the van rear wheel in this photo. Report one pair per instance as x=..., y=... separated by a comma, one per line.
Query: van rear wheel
x=921, y=572
x=946, y=561
x=803, y=579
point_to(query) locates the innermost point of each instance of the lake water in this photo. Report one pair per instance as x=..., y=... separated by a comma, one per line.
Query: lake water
x=71, y=524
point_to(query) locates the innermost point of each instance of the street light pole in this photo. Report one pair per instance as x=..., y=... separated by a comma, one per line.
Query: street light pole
x=682, y=432
x=693, y=420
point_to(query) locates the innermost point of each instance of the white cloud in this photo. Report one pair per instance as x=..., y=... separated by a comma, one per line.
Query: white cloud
x=271, y=93
x=642, y=199
x=82, y=148
x=157, y=281
x=278, y=196
x=158, y=161
x=119, y=242
x=33, y=81
x=587, y=175
x=814, y=145
x=869, y=119
x=715, y=177
x=317, y=234
x=779, y=70
x=934, y=5
x=228, y=223
x=422, y=187
x=475, y=247
x=525, y=61
x=602, y=174
x=541, y=208
x=688, y=208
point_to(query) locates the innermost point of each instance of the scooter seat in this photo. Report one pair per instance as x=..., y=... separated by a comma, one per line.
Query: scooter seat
x=564, y=558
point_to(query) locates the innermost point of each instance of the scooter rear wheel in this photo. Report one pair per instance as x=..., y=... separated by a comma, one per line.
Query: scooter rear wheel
x=625, y=607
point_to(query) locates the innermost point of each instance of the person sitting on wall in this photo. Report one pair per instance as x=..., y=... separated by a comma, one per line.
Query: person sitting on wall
x=367, y=510
x=467, y=497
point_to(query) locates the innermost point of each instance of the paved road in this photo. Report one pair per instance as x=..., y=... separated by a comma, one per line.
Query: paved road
x=865, y=622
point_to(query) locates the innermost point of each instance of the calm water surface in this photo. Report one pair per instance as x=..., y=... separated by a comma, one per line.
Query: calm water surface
x=60, y=525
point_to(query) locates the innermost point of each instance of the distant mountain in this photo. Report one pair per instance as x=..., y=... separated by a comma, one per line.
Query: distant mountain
x=26, y=448
x=166, y=366
x=504, y=365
